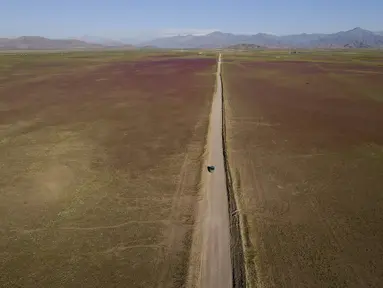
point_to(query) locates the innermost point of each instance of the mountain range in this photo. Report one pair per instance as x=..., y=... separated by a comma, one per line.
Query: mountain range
x=100, y=40
x=355, y=38
x=42, y=43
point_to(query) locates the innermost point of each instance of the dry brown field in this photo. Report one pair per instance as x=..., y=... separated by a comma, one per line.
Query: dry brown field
x=305, y=146
x=99, y=167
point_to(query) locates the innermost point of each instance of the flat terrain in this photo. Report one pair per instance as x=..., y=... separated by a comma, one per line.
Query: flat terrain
x=100, y=163
x=305, y=138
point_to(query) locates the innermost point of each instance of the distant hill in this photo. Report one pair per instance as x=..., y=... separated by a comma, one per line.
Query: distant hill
x=245, y=47
x=355, y=38
x=41, y=43
x=100, y=40
x=149, y=47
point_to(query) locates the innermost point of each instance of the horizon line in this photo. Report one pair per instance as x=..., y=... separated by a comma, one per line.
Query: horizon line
x=169, y=34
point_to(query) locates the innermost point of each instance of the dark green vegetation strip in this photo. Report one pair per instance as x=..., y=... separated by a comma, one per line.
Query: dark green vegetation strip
x=360, y=57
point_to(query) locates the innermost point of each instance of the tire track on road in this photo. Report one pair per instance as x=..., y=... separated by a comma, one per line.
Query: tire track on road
x=216, y=266
x=178, y=228
x=213, y=265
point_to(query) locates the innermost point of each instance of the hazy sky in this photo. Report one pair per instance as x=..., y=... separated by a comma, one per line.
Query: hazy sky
x=130, y=18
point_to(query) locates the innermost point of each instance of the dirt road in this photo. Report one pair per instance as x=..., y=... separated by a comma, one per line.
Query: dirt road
x=216, y=270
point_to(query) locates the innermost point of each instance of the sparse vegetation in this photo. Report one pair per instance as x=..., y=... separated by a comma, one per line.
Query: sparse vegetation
x=100, y=157
x=305, y=148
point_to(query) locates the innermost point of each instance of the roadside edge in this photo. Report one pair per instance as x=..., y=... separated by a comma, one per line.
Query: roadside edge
x=237, y=245
x=194, y=270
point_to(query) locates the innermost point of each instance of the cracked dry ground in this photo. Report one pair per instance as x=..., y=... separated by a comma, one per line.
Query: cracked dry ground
x=99, y=171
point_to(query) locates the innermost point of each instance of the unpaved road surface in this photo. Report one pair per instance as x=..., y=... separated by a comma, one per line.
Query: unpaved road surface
x=216, y=269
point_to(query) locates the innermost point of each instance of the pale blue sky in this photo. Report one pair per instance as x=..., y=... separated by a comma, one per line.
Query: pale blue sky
x=124, y=19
